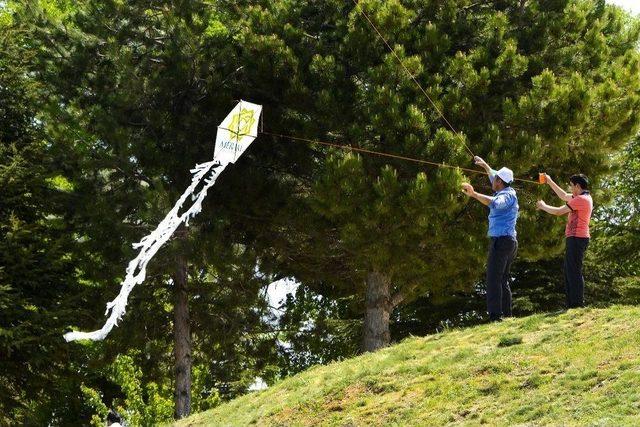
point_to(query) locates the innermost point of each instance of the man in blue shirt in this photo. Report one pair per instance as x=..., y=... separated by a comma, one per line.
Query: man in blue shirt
x=503, y=214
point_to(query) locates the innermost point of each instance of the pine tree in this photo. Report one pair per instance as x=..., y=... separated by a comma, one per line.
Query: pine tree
x=137, y=92
x=37, y=275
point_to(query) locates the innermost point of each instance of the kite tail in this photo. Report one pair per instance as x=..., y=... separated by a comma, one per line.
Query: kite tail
x=149, y=246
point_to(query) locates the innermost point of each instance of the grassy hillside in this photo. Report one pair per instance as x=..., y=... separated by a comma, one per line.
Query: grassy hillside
x=576, y=368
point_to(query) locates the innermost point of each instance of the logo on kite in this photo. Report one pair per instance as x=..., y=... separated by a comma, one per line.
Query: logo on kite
x=241, y=123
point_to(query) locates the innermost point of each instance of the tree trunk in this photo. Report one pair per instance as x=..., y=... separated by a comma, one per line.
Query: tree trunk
x=182, y=341
x=379, y=306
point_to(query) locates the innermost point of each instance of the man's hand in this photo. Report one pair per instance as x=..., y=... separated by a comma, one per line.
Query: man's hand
x=480, y=162
x=482, y=198
x=468, y=189
x=540, y=204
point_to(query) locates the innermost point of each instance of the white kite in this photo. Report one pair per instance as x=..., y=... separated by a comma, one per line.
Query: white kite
x=236, y=132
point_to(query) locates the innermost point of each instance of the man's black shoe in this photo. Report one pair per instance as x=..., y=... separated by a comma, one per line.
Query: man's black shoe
x=495, y=318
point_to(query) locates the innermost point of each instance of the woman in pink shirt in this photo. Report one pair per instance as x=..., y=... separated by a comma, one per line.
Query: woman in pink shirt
x=579, y=207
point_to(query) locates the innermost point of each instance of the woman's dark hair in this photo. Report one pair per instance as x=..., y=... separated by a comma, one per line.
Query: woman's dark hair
x=580, y=180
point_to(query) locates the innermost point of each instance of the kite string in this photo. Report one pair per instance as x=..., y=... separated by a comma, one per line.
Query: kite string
x=412, y=76
x=378, y=153
x=383, y=154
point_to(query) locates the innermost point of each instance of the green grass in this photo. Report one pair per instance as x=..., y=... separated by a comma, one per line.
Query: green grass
x=581, y=367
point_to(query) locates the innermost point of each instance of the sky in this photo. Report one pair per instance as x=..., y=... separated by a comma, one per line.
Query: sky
x=632, y=5
x=277, y=291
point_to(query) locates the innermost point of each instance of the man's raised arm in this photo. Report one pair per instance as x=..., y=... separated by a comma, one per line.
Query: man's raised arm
x=480, y=162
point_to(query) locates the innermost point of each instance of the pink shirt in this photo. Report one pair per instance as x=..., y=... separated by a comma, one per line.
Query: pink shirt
x=578, y=222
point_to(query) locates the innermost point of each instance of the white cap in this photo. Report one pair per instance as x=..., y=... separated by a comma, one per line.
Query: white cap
x=506, y=175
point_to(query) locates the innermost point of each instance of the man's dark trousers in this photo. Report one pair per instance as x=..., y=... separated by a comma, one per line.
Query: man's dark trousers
x=573, y=278
x=502, y=252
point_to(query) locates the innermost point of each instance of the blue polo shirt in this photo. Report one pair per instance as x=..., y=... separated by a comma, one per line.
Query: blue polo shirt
x=503, y=213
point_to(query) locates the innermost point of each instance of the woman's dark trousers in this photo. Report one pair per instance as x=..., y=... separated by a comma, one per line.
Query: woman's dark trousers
x=573, y=278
